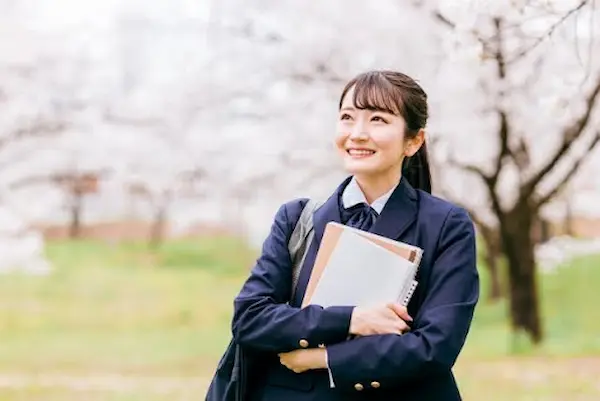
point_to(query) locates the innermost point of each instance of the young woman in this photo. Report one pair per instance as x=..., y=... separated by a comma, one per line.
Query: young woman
x=349, y=352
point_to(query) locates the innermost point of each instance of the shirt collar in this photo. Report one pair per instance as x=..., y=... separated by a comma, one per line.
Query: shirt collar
x=353, y=195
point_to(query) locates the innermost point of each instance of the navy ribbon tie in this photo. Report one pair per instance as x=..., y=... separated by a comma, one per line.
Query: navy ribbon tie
x=361, y=216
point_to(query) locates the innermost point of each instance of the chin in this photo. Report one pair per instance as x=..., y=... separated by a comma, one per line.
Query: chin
x=355, y=167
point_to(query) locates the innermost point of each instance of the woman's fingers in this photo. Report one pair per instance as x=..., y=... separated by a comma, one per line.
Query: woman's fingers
x=401, y=312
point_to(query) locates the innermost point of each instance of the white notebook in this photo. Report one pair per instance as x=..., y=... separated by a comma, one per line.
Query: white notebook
x=361, y=269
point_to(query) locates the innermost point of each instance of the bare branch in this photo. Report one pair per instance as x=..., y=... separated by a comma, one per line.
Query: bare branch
x=442, y=19
x=534, y=75
x=504, y=151
x=521, y=154
x=443, y=191
x=75, y=181
x=470, y=168
x=37, y=128
x=569, y=175
x=489, y=181
x=569, y=137
x=448, y=23
x=504, y=128
x=31, y=181
x=548, y=33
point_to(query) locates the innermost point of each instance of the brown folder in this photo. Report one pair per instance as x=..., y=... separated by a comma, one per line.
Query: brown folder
x=331, y=236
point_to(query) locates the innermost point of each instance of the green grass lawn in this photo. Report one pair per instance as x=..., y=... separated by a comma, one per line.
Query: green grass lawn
x=123, y=323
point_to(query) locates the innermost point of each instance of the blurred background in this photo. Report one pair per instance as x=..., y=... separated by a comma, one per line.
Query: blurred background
x=146, y=145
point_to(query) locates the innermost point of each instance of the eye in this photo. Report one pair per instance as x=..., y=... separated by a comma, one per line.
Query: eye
x=379, y=119
x=345, y=116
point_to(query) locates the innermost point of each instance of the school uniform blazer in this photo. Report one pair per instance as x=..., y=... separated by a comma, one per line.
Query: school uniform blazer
x=413, y=366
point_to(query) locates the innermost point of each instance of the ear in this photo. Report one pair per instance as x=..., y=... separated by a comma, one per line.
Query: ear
x=414, y=144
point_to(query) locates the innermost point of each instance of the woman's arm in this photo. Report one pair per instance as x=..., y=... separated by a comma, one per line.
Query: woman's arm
x=262, y=319
x=440, y=329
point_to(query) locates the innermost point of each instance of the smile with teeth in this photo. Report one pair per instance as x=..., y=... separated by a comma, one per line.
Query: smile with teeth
x=360, y=152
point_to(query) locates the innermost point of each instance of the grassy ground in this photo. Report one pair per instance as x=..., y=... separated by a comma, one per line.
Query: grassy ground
x=122, y=323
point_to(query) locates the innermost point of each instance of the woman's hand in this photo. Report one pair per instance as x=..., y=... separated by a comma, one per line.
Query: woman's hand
x=302, y=360
x=384, y=319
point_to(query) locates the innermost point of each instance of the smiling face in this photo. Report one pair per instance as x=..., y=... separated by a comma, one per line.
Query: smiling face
x=381, y=130
x=371, y=140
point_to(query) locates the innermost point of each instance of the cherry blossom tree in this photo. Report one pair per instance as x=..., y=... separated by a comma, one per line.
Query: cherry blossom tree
x=36, y=99
x=536, y=87
x=486, y=228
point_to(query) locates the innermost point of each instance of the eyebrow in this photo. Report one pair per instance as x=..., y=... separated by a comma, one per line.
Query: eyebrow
x=349, y=108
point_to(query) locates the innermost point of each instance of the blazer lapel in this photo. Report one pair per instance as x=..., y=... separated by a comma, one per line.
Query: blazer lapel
x=399, y=212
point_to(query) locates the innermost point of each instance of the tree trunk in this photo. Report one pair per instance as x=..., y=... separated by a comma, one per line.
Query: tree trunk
x=568, y=229
x=516, y=230
x=492, y=257
x=76, y=207
x=540, y=231
x=495, y=291
x=157, y=231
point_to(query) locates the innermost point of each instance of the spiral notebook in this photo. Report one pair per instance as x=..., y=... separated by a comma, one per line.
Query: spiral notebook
x=359, y=268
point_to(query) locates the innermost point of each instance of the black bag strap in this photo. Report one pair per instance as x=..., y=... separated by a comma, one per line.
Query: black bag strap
x=300, y=240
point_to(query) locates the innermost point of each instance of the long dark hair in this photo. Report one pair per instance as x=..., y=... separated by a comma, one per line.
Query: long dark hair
x=397, y=93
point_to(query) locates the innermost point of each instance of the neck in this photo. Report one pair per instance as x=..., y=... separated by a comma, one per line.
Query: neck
x=375, y=186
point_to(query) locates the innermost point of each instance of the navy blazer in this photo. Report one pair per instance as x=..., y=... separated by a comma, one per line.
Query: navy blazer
x=413, y=366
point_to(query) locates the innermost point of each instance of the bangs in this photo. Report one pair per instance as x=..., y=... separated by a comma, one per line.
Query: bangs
x=372, y=91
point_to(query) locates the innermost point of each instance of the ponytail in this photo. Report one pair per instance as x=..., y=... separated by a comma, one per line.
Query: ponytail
x=416, y=170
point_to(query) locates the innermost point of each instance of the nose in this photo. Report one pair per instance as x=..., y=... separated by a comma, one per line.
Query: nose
x=359, y=132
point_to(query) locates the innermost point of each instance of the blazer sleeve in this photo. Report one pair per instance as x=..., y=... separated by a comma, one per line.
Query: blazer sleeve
x=440, y=328
x=262, y=318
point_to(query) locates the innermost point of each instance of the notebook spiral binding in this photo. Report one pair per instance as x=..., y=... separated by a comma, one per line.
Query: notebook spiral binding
x=409, y=293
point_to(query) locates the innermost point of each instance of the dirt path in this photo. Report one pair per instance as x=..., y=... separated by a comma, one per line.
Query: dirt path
x=552, y=378
x=535, y=368
x=99, y=382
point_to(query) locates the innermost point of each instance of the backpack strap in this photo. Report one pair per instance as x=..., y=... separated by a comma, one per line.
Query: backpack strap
x=300, y=240
x=230, y=381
